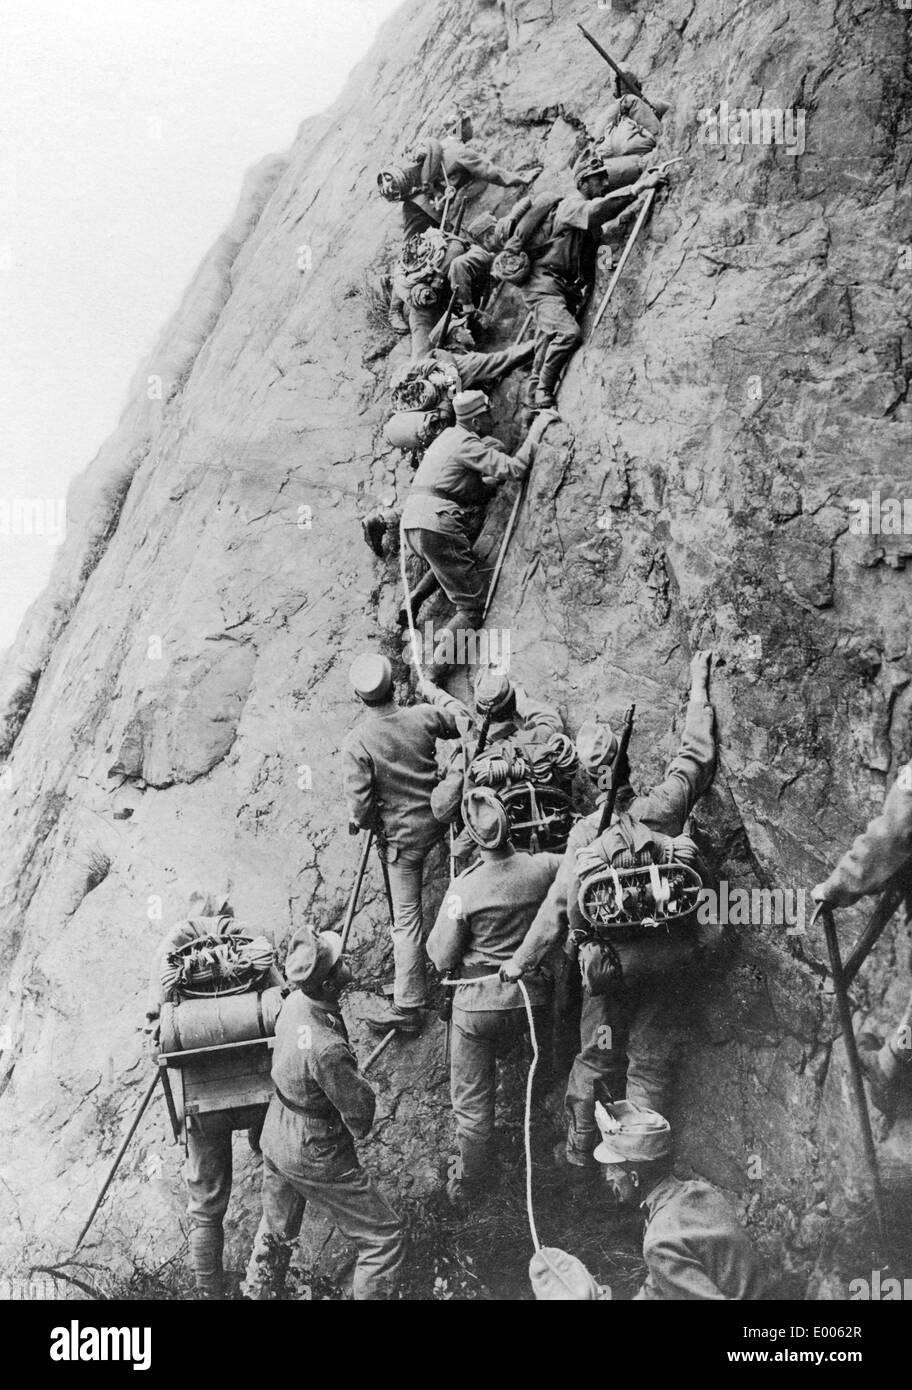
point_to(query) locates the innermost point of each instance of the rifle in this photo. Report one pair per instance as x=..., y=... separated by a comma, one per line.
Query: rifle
x=608, y=808
x=631, y=86
x=445, y=322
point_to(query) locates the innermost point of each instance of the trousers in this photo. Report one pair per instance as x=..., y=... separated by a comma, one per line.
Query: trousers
x=208, y=1174
x=353, y=1204
x=406, y=872
x=457, y=567
x=637, y=1030
x=557, y=336
x=479, y=1039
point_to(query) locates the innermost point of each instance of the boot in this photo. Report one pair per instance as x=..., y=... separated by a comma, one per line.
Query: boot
x=206, y=1246
x=398, y=322
x=374, y=528
x=391, y=1016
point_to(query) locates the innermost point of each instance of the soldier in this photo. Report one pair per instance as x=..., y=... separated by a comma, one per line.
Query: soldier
x=208, y=1170
x=428, y=182
x=512, y=712
x=647, y=1017
x=877, y=854
x=469, y=272
x=432, y=173
x=561, y=239
x=629, y=125
x=881, y=852
x=321, y=1104
x=693, y=1245
x=482, y=920
x=457, y=474
x=390, y=769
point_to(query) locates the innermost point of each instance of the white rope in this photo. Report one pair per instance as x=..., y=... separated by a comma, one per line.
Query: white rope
x=416, y=650
x=527, y=1124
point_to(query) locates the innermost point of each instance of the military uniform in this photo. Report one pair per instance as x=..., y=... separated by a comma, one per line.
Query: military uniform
x=562, y=277
x=208, y=1171
x=646, y=1021
x=878, y=852
x=455, y=475
x=484, y=916
x=390, y=770
x=321, y=1105
x=694, y=1247
x=532, y=720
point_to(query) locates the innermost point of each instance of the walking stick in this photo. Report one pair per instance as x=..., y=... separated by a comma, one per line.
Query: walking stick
x=353, y=900
x=625, y=254
x=384, y=867
x=851, y=1046
x=382, y=1045
x=140, y=1111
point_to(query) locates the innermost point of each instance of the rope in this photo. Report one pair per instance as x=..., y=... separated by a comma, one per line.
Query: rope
x=527, y=1123
x=416, y=650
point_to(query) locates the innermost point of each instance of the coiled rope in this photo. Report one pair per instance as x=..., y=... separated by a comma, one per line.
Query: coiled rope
x=527, y=1123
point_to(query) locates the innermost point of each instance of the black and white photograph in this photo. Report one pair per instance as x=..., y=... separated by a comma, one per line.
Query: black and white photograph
x=455, y=670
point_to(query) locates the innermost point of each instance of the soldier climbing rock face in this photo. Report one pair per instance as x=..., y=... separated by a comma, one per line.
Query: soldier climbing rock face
x=631, y=1030
x=320, y=1106
x=483, y=918
x=457, y=475
x=551, y=255
x=390, y=770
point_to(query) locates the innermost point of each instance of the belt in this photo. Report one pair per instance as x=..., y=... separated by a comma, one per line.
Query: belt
x=300, y=1110
x=444, y=496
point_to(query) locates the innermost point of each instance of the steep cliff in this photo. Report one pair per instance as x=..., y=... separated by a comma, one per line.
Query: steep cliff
x=749, y=381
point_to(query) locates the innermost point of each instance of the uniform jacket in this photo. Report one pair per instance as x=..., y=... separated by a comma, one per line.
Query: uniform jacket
x=665, y=809
x=876, y=854
x=457, y=463
x=389, y=766
x=483, y=918
x=427, y=165
x=314, y=1068
x=534, y=719
x=574, y=230
x=694, y=1247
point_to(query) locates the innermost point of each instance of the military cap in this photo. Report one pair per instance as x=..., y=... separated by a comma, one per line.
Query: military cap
x=311, y=957
x=371, y=676
x=485, y=818
x=493, y=689
x=555, y=1275
x=468, y=404
x=587, y=166
x=631, y=1133
x=596, y=746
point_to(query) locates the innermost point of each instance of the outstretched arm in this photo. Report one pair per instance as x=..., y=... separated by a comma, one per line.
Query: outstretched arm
x=877, y=853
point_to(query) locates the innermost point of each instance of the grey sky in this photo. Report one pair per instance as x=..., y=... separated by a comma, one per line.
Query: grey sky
x=125, y=129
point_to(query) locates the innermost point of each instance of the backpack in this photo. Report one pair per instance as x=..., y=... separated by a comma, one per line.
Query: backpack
x=531, y=780
x=219, y=959
x=514, y=263
x=635, y=913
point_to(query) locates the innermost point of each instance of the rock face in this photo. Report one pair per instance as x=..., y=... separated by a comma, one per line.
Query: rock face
x=188, y=663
